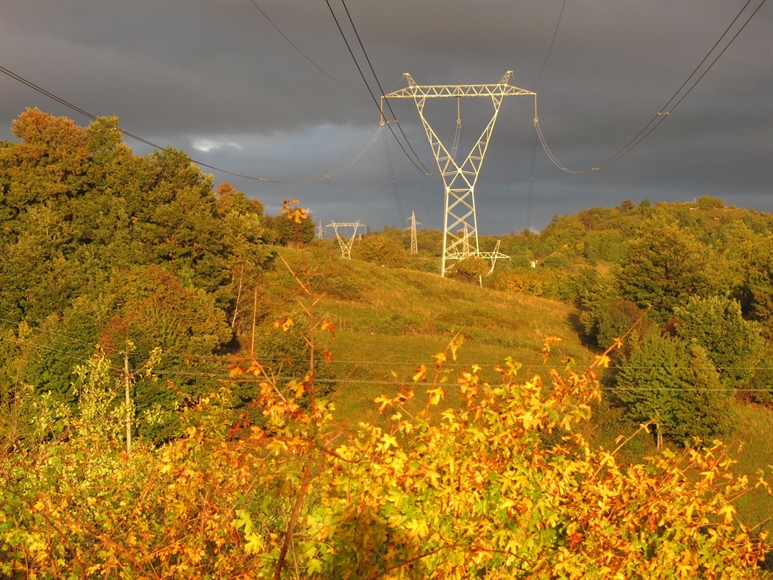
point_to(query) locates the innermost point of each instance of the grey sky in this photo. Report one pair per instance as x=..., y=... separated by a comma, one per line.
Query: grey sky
x=217, y=79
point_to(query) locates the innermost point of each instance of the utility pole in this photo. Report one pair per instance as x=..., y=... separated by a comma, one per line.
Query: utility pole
x=412, y=227
x=459, y=179
x=127, y=388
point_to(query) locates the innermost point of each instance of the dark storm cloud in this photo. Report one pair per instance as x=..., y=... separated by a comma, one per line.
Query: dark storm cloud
x=218, y=80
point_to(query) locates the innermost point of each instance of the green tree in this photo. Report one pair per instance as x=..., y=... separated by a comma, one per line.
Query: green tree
x=283, y=231
x=675, y=384
x=663, y=267
x=734, y=344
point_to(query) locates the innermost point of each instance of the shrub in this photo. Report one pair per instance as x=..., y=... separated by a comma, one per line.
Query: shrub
x=675, y=384
x=501, y=486
x=380, y=249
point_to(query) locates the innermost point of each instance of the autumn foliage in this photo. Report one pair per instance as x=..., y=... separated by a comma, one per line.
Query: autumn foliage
x=504, y=486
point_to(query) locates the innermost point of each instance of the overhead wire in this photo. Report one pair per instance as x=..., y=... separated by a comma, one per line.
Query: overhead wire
x=392, y=177
x=550, y=49
x=534, y=141
x=93, y=117
x=380, y=88
x=416, y=162
x=227, y=377
x=323, y=71
x=664, y=111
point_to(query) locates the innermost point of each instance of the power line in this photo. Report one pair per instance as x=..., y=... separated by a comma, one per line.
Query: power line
x=392, y=177
x=392, y=382
x=380, y=88
x=534, y=141
x=303, y=53
x=550, y=50
x=417, y=162
x=665, y=111
x=93, y=117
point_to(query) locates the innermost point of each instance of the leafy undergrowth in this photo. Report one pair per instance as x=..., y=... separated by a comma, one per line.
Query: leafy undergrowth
x=503, y=485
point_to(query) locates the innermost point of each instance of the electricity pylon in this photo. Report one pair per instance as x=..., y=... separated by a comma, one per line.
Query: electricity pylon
x=414, y=241
x=345, y=243
x=460, y=224
x=493, y=256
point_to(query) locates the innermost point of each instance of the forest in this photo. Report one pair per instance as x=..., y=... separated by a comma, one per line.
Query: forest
x=186, y=382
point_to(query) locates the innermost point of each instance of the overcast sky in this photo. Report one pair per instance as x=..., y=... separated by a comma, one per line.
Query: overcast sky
x=219, y=80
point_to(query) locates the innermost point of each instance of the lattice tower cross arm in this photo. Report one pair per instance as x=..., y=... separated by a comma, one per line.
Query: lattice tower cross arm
x=459, y=179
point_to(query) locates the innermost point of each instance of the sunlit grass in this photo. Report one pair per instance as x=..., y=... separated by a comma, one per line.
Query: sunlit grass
x=393, y=320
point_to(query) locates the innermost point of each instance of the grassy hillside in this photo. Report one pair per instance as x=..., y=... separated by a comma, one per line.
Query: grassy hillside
x=393, y=320
x=388, y=321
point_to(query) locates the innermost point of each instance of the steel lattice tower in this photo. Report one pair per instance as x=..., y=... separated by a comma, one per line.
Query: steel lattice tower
x=460, y=225
x=345, y=243
x=412, y=227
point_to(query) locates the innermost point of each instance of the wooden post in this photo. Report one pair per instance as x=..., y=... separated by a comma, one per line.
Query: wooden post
x=127, y=385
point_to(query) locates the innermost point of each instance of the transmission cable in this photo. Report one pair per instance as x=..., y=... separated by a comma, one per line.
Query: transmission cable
x=323, y=71
x=380, y=88
x=93, y=117
x=420, y=166
x=665, y=111
x=392, y=176
x=534, y=141
x=550, y=49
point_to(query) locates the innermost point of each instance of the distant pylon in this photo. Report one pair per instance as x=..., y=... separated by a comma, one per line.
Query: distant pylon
x=321, y=233
x=414, y=241
x=466, y=240
x=493, y=256
x=345, y=243
x=459, y=179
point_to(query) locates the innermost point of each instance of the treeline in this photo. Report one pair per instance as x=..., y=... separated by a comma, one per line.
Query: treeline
x=137, y=254
x=696, y=280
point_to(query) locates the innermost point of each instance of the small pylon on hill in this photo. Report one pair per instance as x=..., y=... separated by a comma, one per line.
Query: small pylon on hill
x=344, y=242
x=412, y=227
x=493, y=256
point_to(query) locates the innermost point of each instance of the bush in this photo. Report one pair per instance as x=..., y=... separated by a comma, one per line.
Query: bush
x=734, y=344
x=557, y=260
x=502, y=485
x=380, y=249
x=469, y=270
x=674, y=384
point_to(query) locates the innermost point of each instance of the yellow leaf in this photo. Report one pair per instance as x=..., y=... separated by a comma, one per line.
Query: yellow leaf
x=285, y=323
x=417, y=528
x=435, y=395
x=388, y=441
x=421, y=374
x=728, y=511
x=328, y=327
x=455, y=345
